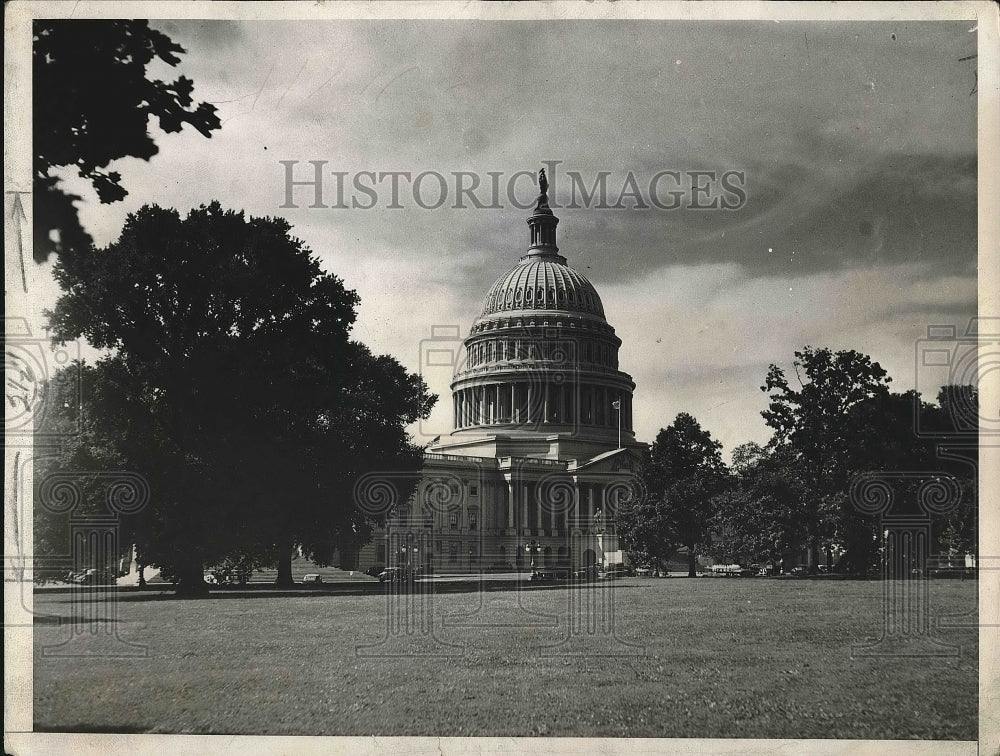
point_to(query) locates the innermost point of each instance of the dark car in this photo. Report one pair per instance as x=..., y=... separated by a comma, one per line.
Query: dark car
x=397, y=575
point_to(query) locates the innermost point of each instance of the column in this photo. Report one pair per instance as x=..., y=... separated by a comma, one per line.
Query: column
x=525, y=522
x=545, y=403
x=499, y=407
x=510, y=504
x=538, y=508
x=593, y=405
x=527, y=410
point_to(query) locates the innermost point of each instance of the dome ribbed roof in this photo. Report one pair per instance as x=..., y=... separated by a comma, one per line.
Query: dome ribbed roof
x=543, y=282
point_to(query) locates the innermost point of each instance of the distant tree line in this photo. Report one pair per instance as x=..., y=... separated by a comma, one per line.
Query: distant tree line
x=792, y=496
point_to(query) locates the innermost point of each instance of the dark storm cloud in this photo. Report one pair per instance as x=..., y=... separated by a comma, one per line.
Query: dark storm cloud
x=857, y=141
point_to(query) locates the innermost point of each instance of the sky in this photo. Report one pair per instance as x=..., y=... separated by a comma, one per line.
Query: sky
x=856, y=141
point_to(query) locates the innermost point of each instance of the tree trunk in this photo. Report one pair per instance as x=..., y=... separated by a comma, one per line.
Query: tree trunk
x=191, y=578
x=284, y=577
x=813, y=555
x=142, y=577
x=692, y=562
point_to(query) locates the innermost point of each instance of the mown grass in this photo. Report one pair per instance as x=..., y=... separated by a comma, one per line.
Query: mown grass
x=708, y=658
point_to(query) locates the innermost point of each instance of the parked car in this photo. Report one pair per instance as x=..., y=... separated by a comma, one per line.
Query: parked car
x=396, y=575
x=799, y=571
x=614, y=571
x=92, y=577
x=312, y=579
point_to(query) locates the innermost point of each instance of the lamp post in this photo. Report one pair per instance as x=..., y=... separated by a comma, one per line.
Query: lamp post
x=531, y=549
x=407, y=556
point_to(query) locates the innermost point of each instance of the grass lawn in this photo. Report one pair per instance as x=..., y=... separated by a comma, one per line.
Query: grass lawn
x=709, y=658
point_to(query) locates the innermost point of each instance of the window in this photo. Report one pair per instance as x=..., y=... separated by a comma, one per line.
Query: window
x=473, y=490
x=453, y=554
x=380, y=553
x=473, y=519
x=453, y=519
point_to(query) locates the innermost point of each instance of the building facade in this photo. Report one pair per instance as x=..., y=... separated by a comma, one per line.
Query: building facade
x=542, y=449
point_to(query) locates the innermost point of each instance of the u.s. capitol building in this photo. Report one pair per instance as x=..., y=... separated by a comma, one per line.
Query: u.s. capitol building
x=542, y=447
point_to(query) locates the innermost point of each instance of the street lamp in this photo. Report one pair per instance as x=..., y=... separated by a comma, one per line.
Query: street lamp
x=531, y=549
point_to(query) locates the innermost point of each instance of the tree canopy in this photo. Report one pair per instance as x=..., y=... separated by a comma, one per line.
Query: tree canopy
x=242, y=395
x=681, y=476
x=92, y=104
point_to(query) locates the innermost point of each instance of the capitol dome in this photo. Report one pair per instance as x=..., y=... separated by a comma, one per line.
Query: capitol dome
x=542, y=281
x=541, y=360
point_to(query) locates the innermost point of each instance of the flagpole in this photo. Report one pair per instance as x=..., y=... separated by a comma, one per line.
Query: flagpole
x=619, y=421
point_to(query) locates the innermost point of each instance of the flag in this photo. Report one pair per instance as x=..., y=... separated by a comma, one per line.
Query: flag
x=617, y=404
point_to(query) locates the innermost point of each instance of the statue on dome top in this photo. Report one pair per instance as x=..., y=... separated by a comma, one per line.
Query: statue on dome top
x=543, y=198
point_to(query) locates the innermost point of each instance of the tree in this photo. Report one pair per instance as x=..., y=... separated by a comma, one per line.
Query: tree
x=92, y=104
x=681, y=476
x=957, y=419
x=243, y=397
x=759, y=517
x=820, y=424
x=843, y=421
x=70, y=448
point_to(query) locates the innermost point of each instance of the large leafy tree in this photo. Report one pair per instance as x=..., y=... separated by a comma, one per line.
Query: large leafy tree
x=839, y=420
x=92, y=104
x=681, y=476
x=759, y=517
x=819, y=420
x=244, y=398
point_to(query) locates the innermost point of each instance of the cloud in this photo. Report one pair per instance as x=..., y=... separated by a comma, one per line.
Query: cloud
x=858, y=142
